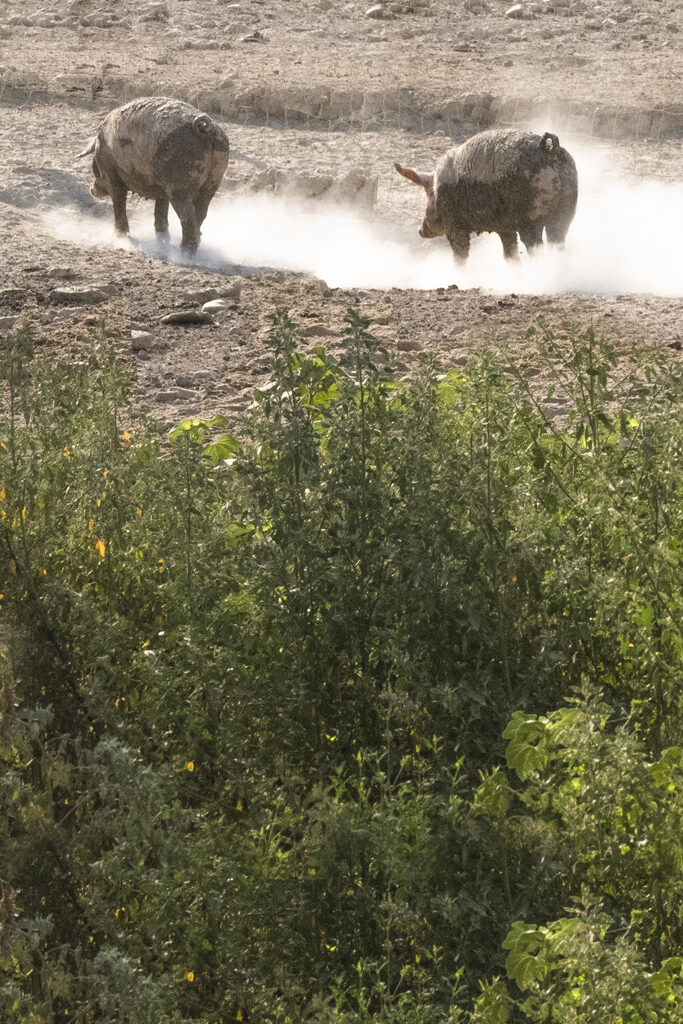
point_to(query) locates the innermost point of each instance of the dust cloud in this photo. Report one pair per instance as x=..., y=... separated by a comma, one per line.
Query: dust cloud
x=626, y=238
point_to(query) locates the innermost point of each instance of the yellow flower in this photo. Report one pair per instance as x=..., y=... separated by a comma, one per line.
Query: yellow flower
x=91, y=524
x=239, y=1015
x=190, y=766
x=126, y=436
x=24, y=513
x=239, y=805
x=105, y=473
x=2, y=493
x=189, y=976
x=138, y=511
x=101, y=548
x=66, y=453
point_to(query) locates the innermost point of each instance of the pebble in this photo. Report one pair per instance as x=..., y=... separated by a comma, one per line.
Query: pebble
x=516, y=11
x=78, y=296
x=140, y=341
x=214, y=306
x=178, y=395
x=254, y=37
x=200, y=295
x=188, y=317
x=63, y=273
x=409, y=346
x=231, y=291
x=65, y=313
x=379, y=12
x=191, y=380
x=155, y=12
x=12, y=296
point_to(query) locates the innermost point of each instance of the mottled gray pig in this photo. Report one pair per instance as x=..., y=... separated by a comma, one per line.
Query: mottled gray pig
x=505, y=181
x=165, y=150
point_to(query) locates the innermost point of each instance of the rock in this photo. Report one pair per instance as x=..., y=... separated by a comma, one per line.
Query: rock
x=155, y=12
x=141, y=341
x=62, y=273
x=254, y=37
x=66, y=312
x=187, y=317
x=192, y=380
x=380, y=13
x=516, y=11
x=409, y=346
x=7, y=322
x=77, y=296
x=231, y=291
x=215, y=306
x=5, y=33
x=13, y=297
x=200, y=295
x=178, y=395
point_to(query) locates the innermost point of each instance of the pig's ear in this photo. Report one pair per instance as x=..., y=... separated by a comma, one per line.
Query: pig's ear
x=426, y=180
x=90, y=149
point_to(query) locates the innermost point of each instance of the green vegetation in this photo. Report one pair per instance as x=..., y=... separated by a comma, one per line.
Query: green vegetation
x=374, y=715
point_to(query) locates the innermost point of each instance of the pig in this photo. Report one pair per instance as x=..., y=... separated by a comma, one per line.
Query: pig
x=502, y=181
x=165, y=150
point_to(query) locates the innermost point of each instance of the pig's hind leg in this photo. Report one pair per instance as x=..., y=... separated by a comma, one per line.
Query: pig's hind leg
x=187, y=216
x=161, y=216
x=556, y=230
x=459, y=241
x=201, y=206
x=531, y=234
x=119, y=194
x=510, y=245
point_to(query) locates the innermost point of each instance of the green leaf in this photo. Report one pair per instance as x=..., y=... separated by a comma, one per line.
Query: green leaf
x=224, y=448
x=526, y=962
x=525, y=752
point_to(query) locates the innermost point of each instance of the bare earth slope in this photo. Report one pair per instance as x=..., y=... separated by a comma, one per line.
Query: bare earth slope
x=318, y=99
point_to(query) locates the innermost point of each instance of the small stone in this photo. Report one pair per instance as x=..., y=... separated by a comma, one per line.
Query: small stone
x=5, y=33
x=214, y=306
x=155, y=12
x=380, y=13
x=178, y=395
x=188, y=317
x=7, y=322
x=254, y=37
x=516, y=11
x=140, y=341
x=12, y=296
x=66, y=312
x=409, y=346
x=77, y=296
x=191, y=380
x=231, y=291
x=200, y=295
x=62, y=273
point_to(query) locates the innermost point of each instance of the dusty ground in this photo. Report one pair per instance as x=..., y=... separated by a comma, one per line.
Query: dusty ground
x=325, y=91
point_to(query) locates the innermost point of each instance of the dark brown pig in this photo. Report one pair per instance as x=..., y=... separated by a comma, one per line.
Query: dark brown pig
x=505, y=181
x=165, y=150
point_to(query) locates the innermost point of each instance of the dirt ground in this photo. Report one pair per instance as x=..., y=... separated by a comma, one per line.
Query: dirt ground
x=313, y=95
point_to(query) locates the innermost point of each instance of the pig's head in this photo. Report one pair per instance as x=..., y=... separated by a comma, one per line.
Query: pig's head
x=431, y=225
